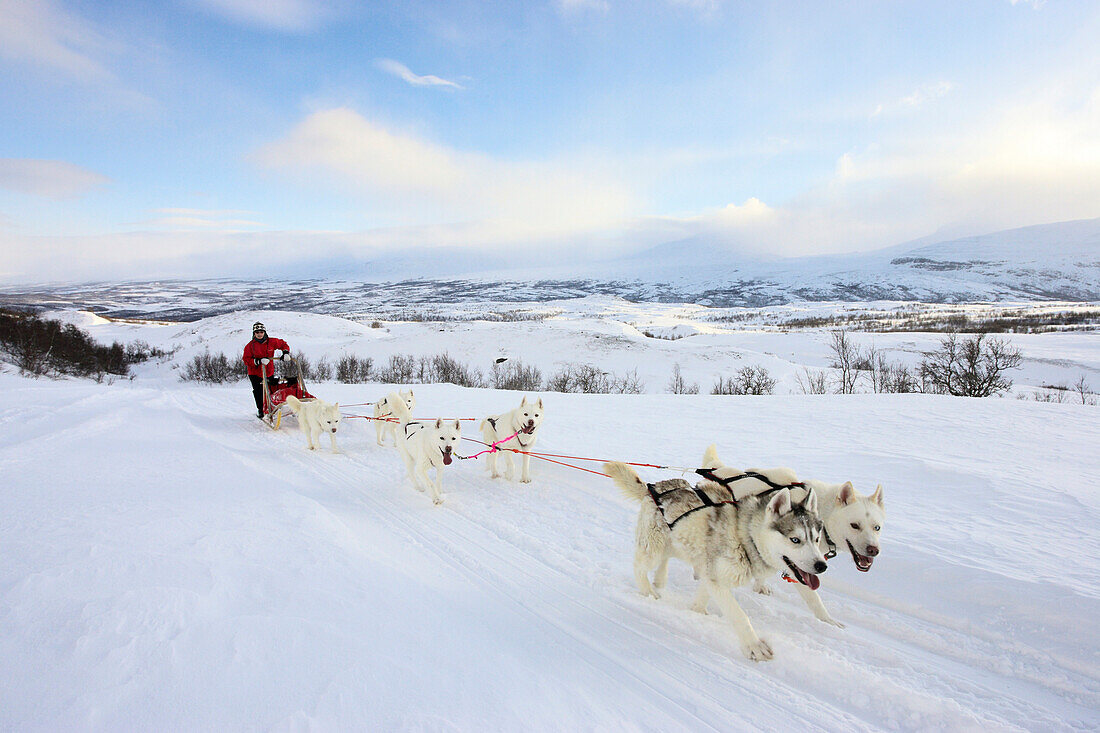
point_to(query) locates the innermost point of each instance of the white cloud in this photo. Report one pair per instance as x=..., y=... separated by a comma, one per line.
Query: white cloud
x=50, y=178
x=428, y=183
x=576, y=6
x=41, y=33
x=281, y=15
x=401, y=71
x=916, y=99
x=203, y=219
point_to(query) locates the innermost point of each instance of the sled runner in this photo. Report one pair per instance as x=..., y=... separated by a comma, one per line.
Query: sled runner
x=274, y=399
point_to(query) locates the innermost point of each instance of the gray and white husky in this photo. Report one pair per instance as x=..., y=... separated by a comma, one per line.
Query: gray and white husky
x=382, y=410
x=522, y=424
x=852, y=522
x=425, y=445
x=728, y=545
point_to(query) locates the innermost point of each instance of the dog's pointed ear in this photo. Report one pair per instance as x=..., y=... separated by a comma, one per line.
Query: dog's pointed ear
x=523, y=401
x=810, y=502
x=780, y=503
x=877, y=496
x=540, y=403
x=457, y=426
x=336, y=405
x=847, y=494
x=439, y=422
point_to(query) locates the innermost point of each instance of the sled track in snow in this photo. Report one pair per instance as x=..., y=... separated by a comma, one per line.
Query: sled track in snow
x=698, y=657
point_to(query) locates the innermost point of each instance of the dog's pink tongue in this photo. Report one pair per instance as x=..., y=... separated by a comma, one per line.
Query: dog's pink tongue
x=446, y=459
x=812, y=581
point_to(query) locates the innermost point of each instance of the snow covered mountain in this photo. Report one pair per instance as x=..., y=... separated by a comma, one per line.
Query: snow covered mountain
x=1048, y=262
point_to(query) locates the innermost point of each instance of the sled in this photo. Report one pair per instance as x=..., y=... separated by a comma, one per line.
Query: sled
x=275, y=399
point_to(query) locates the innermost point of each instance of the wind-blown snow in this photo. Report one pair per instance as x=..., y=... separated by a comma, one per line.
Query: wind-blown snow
x=167, y=562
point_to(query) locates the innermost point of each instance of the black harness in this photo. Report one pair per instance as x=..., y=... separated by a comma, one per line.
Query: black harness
x=707, y=502
x=708, y=474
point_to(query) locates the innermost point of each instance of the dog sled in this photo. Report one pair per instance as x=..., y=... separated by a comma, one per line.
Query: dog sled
x=293, y=385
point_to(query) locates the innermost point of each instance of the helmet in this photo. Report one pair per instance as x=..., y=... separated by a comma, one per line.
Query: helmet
x=257, y=326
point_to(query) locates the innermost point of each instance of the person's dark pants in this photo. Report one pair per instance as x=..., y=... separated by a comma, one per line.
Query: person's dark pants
x=258, y=388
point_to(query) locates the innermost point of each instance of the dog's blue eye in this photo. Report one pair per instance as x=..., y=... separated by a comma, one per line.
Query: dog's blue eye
x=855, y=526
x=795, y=541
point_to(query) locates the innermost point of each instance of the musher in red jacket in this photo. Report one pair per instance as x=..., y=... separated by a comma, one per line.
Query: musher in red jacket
x=262, y=347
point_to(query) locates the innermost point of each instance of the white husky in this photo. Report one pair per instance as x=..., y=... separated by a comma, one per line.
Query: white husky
x=851, y=520
x=727, y=544
x=521, y=427
x=382, y=410
x=315, y=417
x=424, y=445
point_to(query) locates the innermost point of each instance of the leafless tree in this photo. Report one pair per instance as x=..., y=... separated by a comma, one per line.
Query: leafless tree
x=812, y=382
x=678, y=385
x=973, y=367
x=845, y=355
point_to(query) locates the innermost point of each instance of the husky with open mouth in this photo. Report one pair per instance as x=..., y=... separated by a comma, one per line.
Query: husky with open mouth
x=852, y=521
x=516, y=430
x=729, y=544
x=424, y=445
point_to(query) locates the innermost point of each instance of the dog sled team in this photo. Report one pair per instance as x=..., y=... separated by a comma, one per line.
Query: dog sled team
x=734, y=528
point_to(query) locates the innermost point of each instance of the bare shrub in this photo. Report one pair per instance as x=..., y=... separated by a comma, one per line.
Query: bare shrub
x=1052, y=394
x=515, y=375
x=749, y=380
x=445, y=368
x=678, y=385
x=351, y=369
x=1081, y=387
x=973, y=367
x=588, y=379
x=322, y=371
x=899, y=378
x=400, y=370
x=214, y=369
x=812, y=382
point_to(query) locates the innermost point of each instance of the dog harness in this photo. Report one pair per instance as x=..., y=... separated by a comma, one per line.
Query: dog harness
x=706, y=502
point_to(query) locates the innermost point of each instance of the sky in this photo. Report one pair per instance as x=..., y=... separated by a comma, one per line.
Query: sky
x=207, y=137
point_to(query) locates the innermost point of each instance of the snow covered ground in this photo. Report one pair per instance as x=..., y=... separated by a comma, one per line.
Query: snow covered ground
x=169, y=563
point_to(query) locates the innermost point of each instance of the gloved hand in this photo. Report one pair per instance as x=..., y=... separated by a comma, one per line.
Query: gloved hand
x=256, y=361
x=286, y=355
x=265, y=360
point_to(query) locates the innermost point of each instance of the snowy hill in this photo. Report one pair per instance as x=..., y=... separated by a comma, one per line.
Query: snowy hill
x=1049, y=262
x=167, y=562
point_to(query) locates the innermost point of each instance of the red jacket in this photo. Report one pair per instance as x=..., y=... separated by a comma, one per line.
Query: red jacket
x=262, y=350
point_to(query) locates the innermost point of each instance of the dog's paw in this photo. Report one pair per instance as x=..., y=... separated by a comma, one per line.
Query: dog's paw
x=761, y=588
x=757, y=650
x=494, y=474
x=700, y=608
x=831, y=621
x=439, y=499
x=525, y=480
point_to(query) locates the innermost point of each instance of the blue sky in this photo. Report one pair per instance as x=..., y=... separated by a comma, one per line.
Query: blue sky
x=192, y=137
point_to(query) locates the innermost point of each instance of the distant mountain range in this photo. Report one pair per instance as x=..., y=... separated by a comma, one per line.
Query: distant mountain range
x=1047, y=262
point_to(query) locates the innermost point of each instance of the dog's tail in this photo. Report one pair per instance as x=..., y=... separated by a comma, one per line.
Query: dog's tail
x=293, y=403
x=398, y=407
x=710, y=457
x=627, y=479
